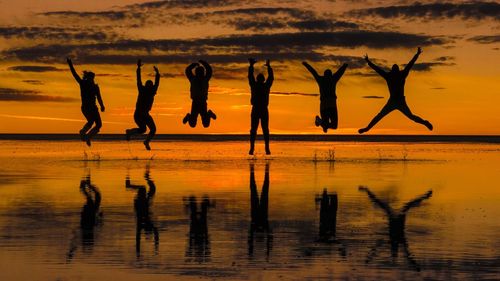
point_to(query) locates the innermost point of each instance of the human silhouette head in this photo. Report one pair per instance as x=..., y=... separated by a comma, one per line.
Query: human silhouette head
x=149, y=84
x=327, y=73
x=395, y=68
x=260, y=78
x=200, y=72
x=88, y=75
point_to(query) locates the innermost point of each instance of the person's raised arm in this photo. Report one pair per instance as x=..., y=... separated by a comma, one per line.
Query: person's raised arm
x=99, y=98
x=340, y=71
x=251, y=77
x=138, y=72
x=312, y=70
x=410, y=64
x=375, y=67
x=73, y=71
x=157, y=78
x=208, y=69
x=416, y=202
x=384, y=206
x=152, y=189
x=270, y=74
x=189, y=70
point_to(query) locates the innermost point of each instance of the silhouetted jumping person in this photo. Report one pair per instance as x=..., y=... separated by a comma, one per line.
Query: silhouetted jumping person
x=327, y=95
x=142, y=206
x=145, y=100
x=397, y=220
x=259, y=211
x=199, y=94
x=396, y=82
x=260, y=89
x=89, y=91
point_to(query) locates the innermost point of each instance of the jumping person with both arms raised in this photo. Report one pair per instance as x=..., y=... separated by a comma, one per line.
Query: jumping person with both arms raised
x=396, y=82
x=144, y=103
x=260, y=89
x=89, y=91
x=327, y=94
x=199, y=94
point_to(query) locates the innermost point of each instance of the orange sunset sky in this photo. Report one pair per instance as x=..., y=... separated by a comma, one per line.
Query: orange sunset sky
x=455, y=83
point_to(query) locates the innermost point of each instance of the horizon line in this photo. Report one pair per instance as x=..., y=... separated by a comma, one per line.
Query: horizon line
x=276, y=137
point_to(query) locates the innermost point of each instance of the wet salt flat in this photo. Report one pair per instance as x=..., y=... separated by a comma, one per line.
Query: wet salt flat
x=206, y=210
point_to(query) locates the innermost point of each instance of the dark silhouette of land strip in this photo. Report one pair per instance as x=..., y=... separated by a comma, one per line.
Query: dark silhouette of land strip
x=244, y=137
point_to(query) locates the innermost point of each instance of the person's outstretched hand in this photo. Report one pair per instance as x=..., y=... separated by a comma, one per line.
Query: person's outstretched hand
x=419, y=51
x=362, y=188
x=139, y=63
x=252, y=61
x=103, y=108
x=268, y=63
x=68, y=60
x=156, y=69
x=305, y=63
x=366, y=58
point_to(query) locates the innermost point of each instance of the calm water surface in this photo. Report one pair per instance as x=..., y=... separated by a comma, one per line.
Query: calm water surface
x=188, y=210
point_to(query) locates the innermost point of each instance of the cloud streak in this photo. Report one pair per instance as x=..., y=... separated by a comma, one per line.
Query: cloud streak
x=16, y=95
x=476, y=10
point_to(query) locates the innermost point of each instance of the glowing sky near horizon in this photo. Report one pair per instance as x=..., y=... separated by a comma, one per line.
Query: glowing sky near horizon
x=454, y=85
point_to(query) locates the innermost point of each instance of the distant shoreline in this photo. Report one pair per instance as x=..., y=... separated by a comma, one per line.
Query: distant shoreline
x=240, y=137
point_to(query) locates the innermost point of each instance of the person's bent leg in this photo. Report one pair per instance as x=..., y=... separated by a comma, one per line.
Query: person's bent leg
x=265, y=129
x=254, y=124
x=334, y=118
x=205, y=115
x=407, y=112
x=193, y=116
x=385, y=110
x=95, y=129
x=152, y=131
x=324, y=120
x=140, y=120
x=90, y=120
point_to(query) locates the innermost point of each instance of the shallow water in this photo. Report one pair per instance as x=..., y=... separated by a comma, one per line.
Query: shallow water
x=48, y=229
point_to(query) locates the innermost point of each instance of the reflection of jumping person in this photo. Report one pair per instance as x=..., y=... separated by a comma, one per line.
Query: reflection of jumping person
x=199, y=94
x=396, y=82
x=145, y=100
x=397, y=222
x=260, y=89
x=328, y=98
x=259, y=211
x=90, y=217
x=89, y=91
x=142, y=206
x=199, y=243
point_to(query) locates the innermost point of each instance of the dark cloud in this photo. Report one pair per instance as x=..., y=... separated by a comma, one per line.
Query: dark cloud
x=53, y=33
x=109, y=15
x=485, y=39
x=8, y=94
x=372, y=97
x=224, y=49
x=34, y=68
x=186, y=4
x=293, y=94
x=427, y=66
x=34, y=82
x=322, y=24
x=475, y=10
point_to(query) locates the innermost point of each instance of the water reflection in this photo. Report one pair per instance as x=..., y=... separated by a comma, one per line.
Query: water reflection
x=142, y=206
x=259, y=225
x=396, y=220
x=90, y=218
x=198, y=249
x=328, y=220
